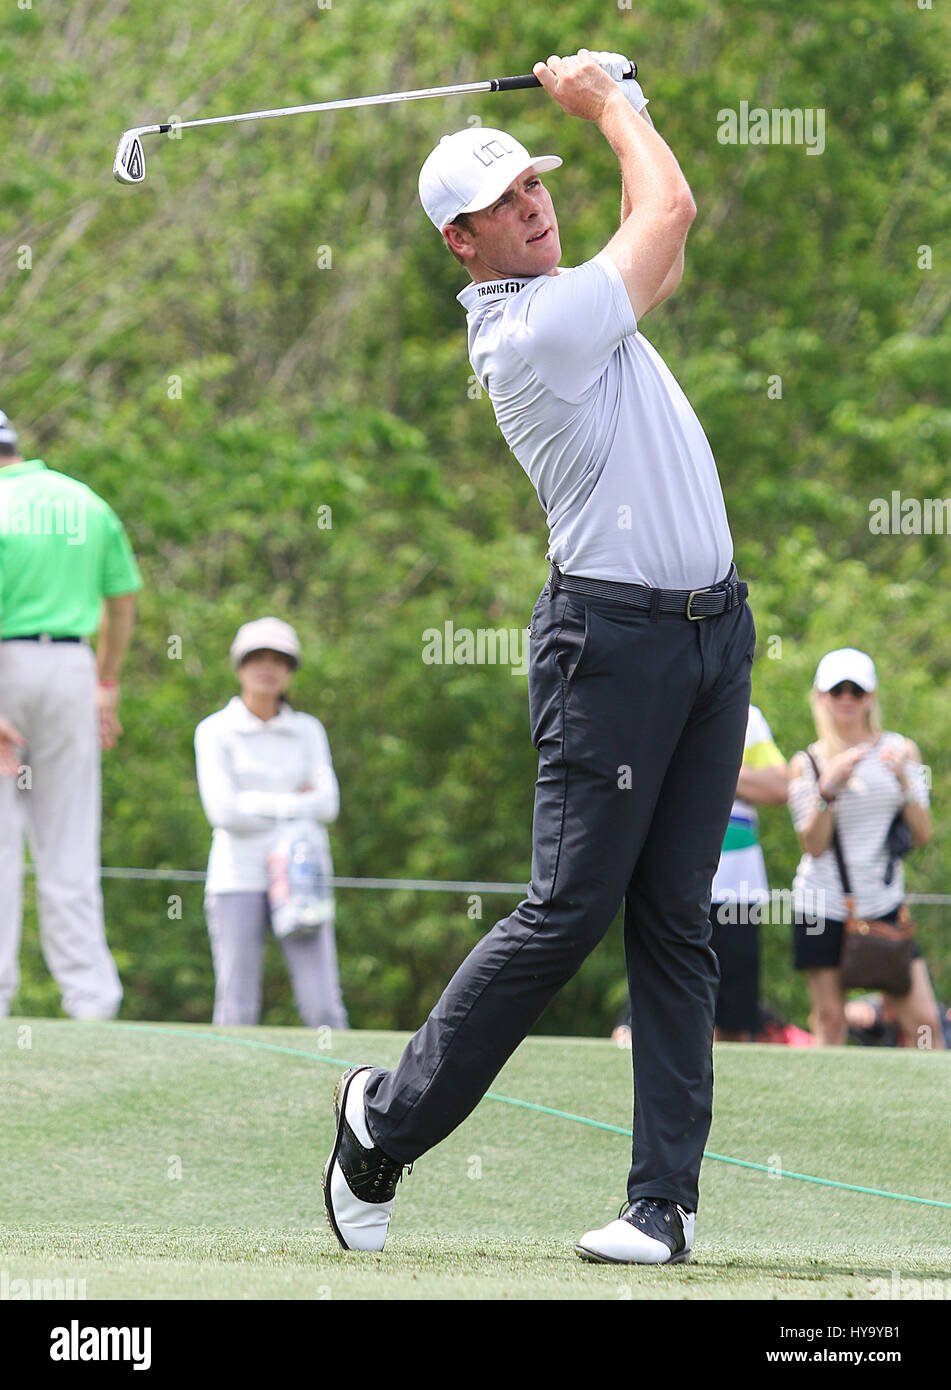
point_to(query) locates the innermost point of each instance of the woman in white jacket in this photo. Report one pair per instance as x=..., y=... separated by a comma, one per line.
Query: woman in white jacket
x=261, y=763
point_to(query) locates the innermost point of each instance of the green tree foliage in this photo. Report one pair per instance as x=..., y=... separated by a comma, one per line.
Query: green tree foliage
x=268, y=327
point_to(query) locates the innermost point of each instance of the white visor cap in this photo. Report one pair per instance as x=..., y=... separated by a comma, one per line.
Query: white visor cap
x=846, y=664
x=265, y=635
x=469, y=170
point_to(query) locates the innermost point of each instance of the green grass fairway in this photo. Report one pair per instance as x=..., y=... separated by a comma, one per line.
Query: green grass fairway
x=176, y=1162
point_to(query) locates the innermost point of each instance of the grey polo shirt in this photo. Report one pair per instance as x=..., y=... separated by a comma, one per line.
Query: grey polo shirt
x=617, y=456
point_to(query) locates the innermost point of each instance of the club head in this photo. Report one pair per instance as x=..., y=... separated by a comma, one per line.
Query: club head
x=129, y=163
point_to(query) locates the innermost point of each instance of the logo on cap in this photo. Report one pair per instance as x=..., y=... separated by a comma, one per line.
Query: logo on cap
x=491, y=150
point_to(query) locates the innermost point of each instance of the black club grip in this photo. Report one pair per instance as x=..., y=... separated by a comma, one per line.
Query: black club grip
x=514, y=84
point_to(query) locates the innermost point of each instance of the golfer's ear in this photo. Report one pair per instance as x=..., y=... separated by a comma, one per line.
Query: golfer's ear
x=457, y=240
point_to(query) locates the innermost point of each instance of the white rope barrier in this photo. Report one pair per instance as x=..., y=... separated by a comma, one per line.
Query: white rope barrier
x=414, y=885
x=420, y=885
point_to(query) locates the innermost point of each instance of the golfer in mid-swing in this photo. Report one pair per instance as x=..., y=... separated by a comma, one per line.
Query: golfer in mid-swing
x=639, y=675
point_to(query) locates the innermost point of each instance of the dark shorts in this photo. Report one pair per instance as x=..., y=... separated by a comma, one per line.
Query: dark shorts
x=737, y=950
x=818, y=945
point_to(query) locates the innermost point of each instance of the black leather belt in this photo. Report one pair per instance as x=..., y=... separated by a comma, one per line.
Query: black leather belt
x=688, y=603
x=42, y=637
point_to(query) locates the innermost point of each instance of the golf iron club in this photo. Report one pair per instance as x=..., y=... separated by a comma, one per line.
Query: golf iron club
x=129, y=164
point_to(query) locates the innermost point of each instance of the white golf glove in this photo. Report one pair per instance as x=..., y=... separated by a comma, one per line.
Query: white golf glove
x=616, y=65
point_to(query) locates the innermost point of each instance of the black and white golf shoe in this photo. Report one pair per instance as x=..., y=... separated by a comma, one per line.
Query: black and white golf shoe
x=359, y=1179
x=652, y=1231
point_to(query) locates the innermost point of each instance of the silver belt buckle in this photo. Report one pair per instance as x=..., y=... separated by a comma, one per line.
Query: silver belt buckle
x=697, y=617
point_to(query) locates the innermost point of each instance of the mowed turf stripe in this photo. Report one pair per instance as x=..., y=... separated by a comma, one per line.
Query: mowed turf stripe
x=540, y=1109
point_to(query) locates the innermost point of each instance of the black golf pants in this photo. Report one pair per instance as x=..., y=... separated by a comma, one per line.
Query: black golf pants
x=639, y=724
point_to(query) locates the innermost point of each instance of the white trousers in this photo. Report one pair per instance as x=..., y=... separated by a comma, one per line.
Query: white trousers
x=48, y=693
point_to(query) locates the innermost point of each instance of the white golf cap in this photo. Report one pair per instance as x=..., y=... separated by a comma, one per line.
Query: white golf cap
x=265, y=635
x=8, y=434
x=469, y=170
x=846, y=664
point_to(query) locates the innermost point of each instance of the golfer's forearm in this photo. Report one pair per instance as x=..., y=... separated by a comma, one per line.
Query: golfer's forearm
x=626, y=203
x=650, y=175
x=115, y=633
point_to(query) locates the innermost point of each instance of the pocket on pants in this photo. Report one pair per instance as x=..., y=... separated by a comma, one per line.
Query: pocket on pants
x=572, y=640
x=558, y=646
x=558, y=636
x=570, y=647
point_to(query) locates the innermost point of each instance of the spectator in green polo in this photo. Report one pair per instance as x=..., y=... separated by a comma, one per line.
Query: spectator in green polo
x=66, y=571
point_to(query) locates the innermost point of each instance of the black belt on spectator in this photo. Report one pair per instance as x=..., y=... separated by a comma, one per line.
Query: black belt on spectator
x=41, y=637
x=689, y=603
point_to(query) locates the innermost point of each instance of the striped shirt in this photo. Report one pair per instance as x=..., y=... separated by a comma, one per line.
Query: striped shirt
x=864, y=809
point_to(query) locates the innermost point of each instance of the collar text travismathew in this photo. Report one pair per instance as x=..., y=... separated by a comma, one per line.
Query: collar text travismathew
x=77, y=1343
x=490, y=288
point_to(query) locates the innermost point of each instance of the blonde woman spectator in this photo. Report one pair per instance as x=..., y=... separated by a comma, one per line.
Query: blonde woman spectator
x=866, y=775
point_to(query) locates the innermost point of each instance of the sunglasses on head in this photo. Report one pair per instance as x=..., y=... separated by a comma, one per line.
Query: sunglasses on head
x=847, y=688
